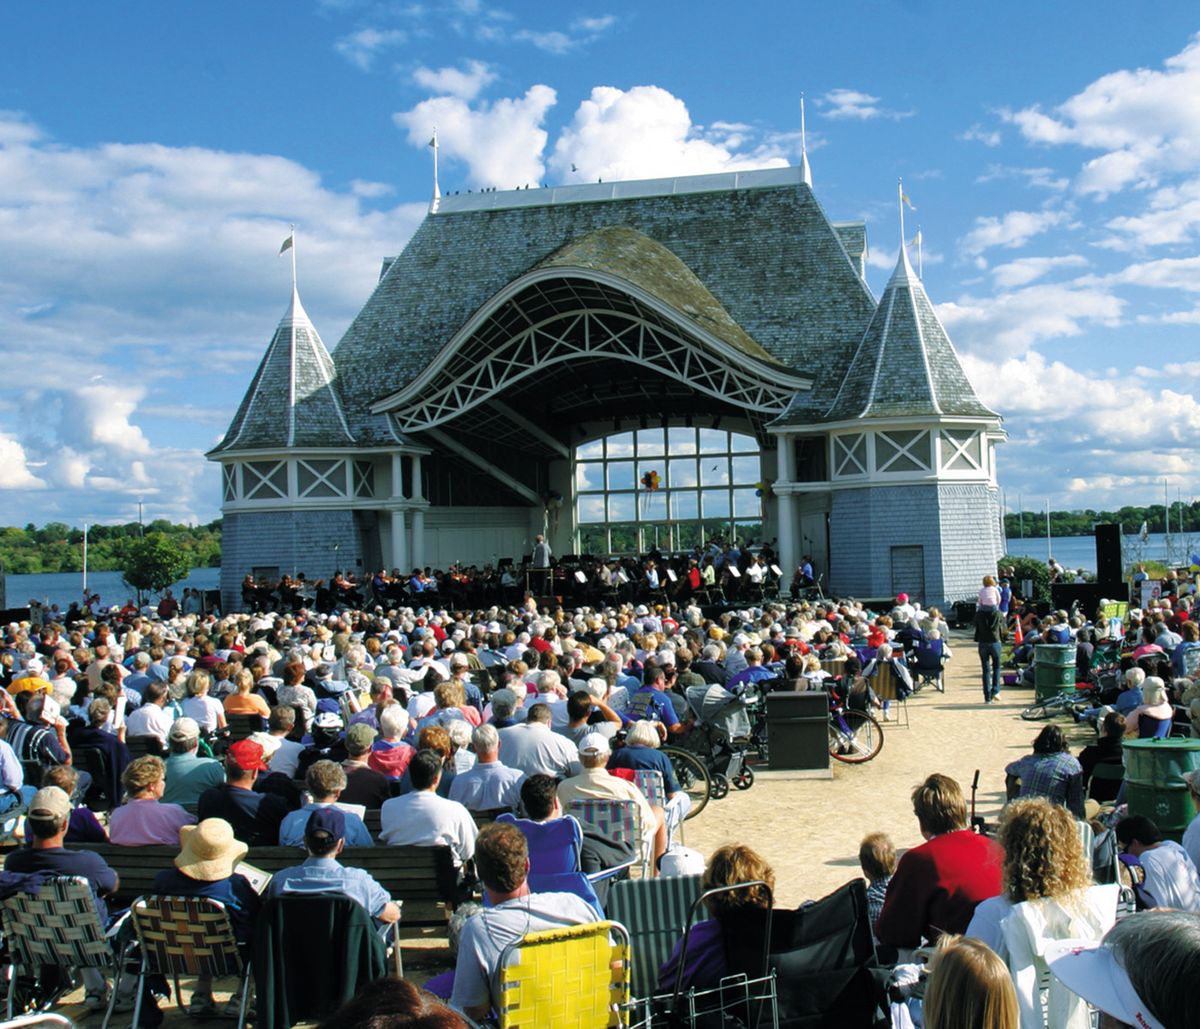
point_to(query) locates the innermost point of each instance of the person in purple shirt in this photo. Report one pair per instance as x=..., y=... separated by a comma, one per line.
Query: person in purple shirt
x=144, y=820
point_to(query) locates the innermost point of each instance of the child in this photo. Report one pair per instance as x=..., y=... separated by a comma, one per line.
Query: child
x=989, y=595
x=877, y=856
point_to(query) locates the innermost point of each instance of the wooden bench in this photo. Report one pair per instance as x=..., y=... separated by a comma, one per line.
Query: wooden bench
x=424, y=878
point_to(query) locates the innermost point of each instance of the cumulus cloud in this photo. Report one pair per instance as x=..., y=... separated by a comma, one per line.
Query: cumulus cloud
x=465, y=83
x=110, y=257
x=1012, y=321
x=1146, y=122
x=854, y=104
x=362, y=47
x=1013, y=229
x=1027, y=269
x=1043, y=178
x=646, y=132
x=501, y=141
x=1172, y=216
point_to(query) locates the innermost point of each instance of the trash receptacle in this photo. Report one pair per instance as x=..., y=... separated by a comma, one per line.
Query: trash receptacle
x=798, y=730
x=1154, y=785
x=1053, y=669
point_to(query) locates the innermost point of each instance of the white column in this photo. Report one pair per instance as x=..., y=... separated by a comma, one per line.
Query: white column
x=397, y=475
x=785, y=509
x=399, y=555
x=418, y=489
x=417, y=550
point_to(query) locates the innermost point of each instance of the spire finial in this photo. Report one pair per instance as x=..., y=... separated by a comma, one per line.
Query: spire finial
x=290, y=244
x=437, y=193
x=805, y=170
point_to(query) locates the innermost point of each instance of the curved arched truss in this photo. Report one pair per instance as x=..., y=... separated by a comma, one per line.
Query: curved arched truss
x=556, y=316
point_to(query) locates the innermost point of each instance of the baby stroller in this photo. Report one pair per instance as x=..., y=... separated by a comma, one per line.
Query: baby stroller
x=720, y=735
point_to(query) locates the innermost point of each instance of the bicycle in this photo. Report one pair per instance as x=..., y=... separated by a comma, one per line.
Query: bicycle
x=693, y=778
x=854, y=736
x=1062, y=703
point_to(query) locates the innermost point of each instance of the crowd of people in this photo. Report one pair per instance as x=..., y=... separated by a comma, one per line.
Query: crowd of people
x=428, y=719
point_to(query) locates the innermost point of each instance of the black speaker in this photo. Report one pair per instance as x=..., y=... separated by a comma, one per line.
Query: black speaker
x=1108, y=553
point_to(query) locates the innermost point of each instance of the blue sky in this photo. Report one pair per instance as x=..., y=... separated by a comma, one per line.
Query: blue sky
x=152, y=156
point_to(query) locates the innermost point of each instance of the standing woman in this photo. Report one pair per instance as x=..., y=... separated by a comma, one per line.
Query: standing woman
x=989, y=634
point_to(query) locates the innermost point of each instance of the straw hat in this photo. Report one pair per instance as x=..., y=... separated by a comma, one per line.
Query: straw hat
x=209, y=851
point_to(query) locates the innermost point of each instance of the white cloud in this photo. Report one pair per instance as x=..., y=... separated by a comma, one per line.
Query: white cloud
x=1146, y=122
x=110, y=257
x=14, y=466
x=501, y=141
x=1027, y=269
x=1011, y=322
x=1165, y=273
x=1043, y=178
x=362, y=47
x=465, y=83
x=552, y=41
x=1012, y=230
x=851, y=103
x=1172, y=216
x=978, y=134
x=646, y=132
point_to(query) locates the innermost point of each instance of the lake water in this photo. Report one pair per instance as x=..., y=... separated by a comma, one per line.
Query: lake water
x=1080, y=551
x=64, y=588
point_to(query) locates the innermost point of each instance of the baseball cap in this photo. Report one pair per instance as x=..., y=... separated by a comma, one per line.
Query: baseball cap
x=185, y=729
x=680, y=861
x=50, y=802
x=359, y=737
x=248, y=755
x=328, y=720
x=595, y=744
x=326, y=826
x=1092, y=971
x=902, y=598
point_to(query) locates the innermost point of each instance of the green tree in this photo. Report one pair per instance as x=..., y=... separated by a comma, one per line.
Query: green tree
x=1029, y=568
x=153, y=563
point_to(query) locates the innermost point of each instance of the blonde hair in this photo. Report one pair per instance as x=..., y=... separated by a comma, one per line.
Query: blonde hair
x=989, y=580
x=142, y=773
x=969, y=987
x=198, y=683
x=1154, y=691
x=877, y=856
x=1043, y=854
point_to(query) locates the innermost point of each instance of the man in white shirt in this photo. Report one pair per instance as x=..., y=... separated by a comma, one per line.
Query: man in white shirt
x=489, y=784
x=152, y=718
x=286, y=758
x=536, y=749
x=595, y=782
x=1171, y=878
x=502, y=862
x=552, y=693
x=424, y=819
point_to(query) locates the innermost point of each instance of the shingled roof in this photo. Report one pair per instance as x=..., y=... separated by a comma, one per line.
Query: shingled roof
x=292, y=400
x=767, y=256
x=905, y=365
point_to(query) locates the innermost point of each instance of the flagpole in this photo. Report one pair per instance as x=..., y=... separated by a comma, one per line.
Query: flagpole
x=920, y=261
x=435, y=202
x=85, y=534
x=293, y=258
x=900, y=204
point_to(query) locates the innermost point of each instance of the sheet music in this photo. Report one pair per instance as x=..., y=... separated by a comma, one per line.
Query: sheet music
x=580, y=577
x=671, y=575
x=733, y=570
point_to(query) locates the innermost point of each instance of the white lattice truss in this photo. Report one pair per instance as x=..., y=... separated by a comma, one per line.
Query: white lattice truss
x=474, y=367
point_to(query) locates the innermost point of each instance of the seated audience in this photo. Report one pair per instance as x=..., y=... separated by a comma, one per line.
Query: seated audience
x=724, y=943
x=255, y=817
x=145, y=820
x=490, y=784
x=937, y=885
x=502, y=862
x=1171, y=877
x=325, y=782
x=424, y=819
x=877, y=859
x=364, y=785
x=205, y=866
x=1050, y=771
x=187, y=774
x=968, y=988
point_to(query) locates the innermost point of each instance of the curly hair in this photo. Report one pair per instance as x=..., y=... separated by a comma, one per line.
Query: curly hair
x=1043, y=854
x=737, y=863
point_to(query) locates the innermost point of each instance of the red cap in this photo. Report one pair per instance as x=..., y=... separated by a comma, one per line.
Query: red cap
x=249, y=756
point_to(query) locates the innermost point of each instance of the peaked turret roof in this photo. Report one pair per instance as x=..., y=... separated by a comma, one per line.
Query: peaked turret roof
x=292, y=400
x=905, y=365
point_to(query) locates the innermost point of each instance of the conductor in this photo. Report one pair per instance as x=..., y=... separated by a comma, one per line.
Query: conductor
x=541, y=562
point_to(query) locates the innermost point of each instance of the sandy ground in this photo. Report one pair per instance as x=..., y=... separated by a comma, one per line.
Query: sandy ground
x=810, y=830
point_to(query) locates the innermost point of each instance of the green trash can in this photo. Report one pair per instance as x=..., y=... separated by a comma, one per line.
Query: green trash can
x=1154, y=782
x=1053, y=669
